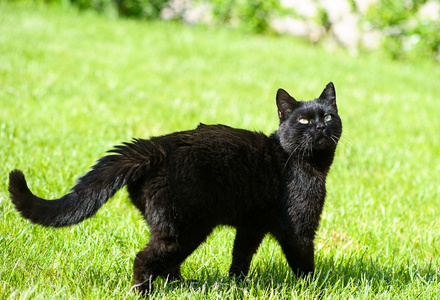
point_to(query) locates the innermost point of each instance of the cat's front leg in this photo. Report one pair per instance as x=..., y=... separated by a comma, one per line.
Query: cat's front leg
x=300, y=254
x=245, y=245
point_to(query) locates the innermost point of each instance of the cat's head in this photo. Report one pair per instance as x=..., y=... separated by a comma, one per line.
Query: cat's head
x=308, y=127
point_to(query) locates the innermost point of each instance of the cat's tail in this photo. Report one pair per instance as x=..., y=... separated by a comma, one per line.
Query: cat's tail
x=92, y=190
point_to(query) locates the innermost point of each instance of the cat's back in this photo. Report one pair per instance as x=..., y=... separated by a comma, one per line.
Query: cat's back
x=219, y=152
x=223, y=135
x=228, y=143
x=215, y=138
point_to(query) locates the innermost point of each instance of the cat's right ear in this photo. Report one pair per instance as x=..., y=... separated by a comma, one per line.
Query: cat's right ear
x=286, y=104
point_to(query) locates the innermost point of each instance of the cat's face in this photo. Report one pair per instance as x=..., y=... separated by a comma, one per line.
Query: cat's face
x=309, y=126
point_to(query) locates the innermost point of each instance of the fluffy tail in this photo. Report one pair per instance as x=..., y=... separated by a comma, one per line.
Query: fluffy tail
x=92, y=190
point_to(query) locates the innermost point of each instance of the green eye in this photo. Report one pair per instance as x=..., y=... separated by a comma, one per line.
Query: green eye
x=327, y=118
x=303, y=121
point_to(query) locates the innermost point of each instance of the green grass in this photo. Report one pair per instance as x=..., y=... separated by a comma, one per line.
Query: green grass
x=73, y=85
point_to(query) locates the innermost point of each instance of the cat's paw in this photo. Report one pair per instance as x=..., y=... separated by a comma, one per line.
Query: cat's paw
x=237, y=276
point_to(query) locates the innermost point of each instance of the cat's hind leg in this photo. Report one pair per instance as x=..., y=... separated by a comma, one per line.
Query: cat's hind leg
x=163, y=256
x=245, y=245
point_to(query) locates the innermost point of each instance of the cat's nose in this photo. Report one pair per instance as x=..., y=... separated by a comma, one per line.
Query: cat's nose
x=320, y=126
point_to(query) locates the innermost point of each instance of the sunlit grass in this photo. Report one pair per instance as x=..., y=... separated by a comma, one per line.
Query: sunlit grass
x=73, y=85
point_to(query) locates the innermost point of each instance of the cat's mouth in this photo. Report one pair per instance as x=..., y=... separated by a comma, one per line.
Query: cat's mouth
x=322, y=142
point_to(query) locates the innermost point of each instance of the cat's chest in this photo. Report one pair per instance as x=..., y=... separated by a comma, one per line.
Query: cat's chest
x=303, y=199
x=305, y=184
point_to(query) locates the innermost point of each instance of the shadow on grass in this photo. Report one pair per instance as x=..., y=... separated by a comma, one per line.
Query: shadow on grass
x=349, y=276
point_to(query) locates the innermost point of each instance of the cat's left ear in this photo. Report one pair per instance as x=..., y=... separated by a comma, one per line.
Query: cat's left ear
x=329, y=95
x=286, y=104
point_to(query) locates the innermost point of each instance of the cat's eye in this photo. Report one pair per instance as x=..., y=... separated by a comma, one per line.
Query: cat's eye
x=303, y=121
x=328, y=118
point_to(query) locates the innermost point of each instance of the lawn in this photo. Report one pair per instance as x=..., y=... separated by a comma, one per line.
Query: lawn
x=73, y=84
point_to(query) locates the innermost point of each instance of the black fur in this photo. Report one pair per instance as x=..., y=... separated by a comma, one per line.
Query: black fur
x=186, y=183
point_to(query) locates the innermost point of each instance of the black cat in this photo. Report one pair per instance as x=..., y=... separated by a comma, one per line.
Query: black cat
x=187, y=183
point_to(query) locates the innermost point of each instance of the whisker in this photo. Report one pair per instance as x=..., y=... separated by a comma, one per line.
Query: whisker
x=287, y=161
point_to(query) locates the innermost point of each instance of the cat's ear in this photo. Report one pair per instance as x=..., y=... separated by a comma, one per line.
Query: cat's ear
x=329, y=95
x=286, y=104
